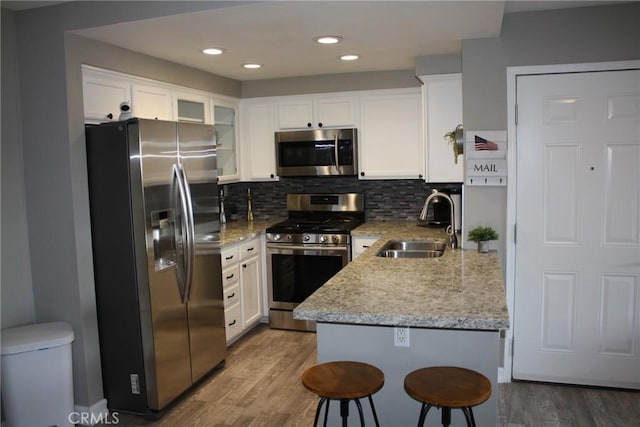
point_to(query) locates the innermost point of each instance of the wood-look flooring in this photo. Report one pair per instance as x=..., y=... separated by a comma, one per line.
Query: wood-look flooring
x=260, y=386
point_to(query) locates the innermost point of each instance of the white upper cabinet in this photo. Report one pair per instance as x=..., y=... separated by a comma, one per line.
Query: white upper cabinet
x=191, y=107
x=225, y=121
x=314, y=111
x=258, y=152
x=152, y=102
x=104, y=90
x=391, y=143
x=102, y=95
x=443, y=112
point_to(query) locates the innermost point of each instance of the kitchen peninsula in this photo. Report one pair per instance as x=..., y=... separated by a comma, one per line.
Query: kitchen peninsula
x=454, y=306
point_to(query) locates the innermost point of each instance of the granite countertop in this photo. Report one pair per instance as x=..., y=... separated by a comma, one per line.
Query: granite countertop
x=463, y=289
x=238, y=231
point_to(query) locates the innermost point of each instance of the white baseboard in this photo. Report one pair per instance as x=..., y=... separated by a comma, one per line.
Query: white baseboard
x=502, y=376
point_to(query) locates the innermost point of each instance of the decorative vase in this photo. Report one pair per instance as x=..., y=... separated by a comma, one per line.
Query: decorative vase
x=483, y=246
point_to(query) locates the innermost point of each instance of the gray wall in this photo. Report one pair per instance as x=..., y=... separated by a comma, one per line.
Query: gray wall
x=580, y=35
x=17, y=287
x=438, y=64
x=330, y=83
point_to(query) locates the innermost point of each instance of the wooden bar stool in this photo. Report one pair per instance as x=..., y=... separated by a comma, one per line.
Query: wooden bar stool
x=447, y=387
x=343, y=381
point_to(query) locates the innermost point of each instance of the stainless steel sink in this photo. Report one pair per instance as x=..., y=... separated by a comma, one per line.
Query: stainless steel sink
x=409, y=254
x=412, y=249
x=415, y=245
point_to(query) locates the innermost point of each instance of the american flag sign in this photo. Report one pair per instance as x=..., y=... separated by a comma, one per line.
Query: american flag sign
x=484, y=144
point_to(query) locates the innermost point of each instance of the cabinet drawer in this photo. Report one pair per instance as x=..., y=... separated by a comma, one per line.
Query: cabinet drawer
x=233, y=321
x=230, y=276
x=249, y=249
x=229, y=256
x=231, y=295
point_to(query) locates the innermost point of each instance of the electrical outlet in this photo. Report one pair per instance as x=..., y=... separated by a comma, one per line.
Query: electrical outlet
x=401, y=337
x=135, y=383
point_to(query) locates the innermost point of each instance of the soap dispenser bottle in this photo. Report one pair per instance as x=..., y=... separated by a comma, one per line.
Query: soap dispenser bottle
x=223, y=215
x=249, y=207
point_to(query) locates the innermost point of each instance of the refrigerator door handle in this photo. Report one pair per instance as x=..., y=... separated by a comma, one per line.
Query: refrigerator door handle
x=191, y=245
x=182, y=208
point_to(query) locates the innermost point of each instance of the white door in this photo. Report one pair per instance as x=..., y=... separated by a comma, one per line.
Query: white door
x=577, y=279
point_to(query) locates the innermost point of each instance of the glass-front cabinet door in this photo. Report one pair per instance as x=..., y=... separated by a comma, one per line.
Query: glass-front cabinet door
x=224, y=119
x=190, y=107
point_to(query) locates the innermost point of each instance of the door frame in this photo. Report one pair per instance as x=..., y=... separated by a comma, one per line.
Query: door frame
x=510, y=242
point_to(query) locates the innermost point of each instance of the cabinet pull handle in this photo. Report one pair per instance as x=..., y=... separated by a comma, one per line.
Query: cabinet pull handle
x=309, y=125
x=249, y=249
x=272, y=176
x=229, y=257
x=366, y=246
x=231, y=296
x=232, y=323
x=230, y=277
x=320, y=124
x=109, y=116
x=361, y=173
x=244, y=265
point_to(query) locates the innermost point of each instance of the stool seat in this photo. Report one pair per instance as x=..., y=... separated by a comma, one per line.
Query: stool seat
x=343, y=381
x=447, y=387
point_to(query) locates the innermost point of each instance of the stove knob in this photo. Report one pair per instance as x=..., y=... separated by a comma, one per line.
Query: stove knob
x=306, y=237
x=336, y=239
x=276, y=237
x=289, y=237
x=323, y=239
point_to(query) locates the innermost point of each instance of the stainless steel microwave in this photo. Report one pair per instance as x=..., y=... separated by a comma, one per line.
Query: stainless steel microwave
x=320, y=152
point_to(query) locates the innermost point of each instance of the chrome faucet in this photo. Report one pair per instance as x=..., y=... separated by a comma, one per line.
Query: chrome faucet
x=451, y=229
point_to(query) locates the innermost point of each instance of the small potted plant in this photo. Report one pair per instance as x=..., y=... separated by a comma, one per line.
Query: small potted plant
x=456, y=139
x=482, y=235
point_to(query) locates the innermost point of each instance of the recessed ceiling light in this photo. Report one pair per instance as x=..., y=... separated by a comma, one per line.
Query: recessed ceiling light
x=251, y=66
x=349, y=57
x=213, y=51
x=328, y=39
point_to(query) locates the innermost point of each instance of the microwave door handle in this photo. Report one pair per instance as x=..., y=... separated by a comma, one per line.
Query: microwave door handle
x=336, y=151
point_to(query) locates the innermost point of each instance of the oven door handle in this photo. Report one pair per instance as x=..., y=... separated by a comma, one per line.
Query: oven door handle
x=285, y=247
x=337, y=153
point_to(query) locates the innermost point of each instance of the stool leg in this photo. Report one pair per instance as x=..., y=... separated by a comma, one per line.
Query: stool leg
x=326, y=411
x=315, y=420
x=446, y=416
x=359, y=405
x=344, y=411
x=423, y=413
x=468, y=414
x=373, y=409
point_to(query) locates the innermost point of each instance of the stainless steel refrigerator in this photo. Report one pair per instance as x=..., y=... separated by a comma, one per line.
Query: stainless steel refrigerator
x=155, y=237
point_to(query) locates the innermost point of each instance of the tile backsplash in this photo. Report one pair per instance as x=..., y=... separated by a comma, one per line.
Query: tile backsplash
x=384, y=199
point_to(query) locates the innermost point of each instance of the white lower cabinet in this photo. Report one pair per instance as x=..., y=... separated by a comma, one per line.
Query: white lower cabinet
x=361, y=244
x=250, y=282
x=242, y=287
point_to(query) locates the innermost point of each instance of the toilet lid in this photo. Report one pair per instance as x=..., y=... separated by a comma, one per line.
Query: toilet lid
x=37, y=336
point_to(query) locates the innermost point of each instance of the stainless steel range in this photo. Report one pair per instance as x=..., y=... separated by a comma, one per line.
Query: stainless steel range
x=306, y=250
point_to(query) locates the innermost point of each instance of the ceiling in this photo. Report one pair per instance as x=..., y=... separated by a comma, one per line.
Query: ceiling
x=388, y=35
